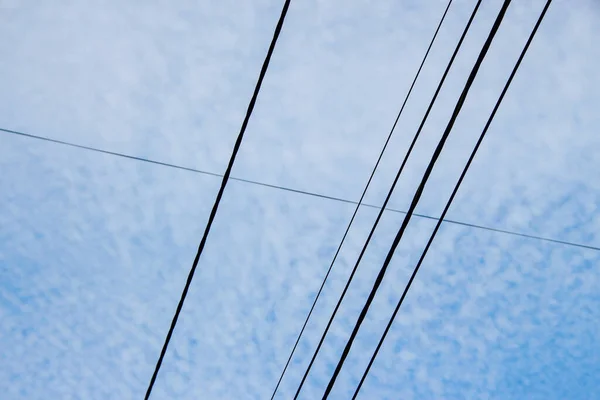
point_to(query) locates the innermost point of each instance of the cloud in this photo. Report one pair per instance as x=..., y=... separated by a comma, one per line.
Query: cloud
x=95, y=250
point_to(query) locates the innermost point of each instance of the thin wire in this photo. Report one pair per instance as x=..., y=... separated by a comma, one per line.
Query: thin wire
x=297, y=191
x=462, y=176
x=387, y=199
x=417, y=196
x=213, y=212
x=360, y=202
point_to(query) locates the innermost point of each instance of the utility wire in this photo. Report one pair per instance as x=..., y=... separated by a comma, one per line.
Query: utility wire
x=417, y=196
x=291, y=190
x=359, y=202
x=389, y=195
x=213, y=212
x=447, y=207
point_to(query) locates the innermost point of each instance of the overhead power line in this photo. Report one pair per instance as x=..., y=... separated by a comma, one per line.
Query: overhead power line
x=447, y=207
x=297, y=191
x=417, y=196
x=213, y=212
x=388, y=197
x=291, y=355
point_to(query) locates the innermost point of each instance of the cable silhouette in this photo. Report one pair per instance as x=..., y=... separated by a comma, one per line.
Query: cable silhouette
x=451, y=199
x=292, y=190
x=417, y=196
x=359, y=202
x=389, y=195
x=213, y=212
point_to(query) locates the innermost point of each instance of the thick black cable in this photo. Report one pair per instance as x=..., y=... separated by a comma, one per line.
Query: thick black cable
x=387, y=199
x=213, y=212
x=360, y=201
x=417, y=196
x=451, y=199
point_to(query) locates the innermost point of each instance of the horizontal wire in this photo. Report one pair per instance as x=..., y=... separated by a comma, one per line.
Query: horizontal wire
x=298, y=191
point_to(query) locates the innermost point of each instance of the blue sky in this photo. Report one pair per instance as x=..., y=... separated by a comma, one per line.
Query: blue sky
x=94, y=249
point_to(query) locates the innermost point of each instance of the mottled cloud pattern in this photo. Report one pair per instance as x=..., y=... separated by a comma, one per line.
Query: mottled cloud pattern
x=94, y=249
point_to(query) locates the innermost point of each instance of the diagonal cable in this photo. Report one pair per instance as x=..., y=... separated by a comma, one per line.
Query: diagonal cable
x=417, y=196
x=213, y=212
x=359, y=204
x=297, y=191
x=389, y=195
x=451, y=199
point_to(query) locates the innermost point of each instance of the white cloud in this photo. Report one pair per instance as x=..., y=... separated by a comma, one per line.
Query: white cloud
x=95, y=250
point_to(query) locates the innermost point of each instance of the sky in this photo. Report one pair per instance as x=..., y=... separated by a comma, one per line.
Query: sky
x=95, y=249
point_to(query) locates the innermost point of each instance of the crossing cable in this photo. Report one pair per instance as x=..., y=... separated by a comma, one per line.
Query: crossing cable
x=389, y=195
x=360, y=202
x=447, y=207
x=213, y=212
x=292, y=190
x=417, y=196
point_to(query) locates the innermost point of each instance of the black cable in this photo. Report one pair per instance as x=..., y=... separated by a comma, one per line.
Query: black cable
x=462, y=176
x=359, y=202
x=213, y=212
x=417, y=196
x=389, y=195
